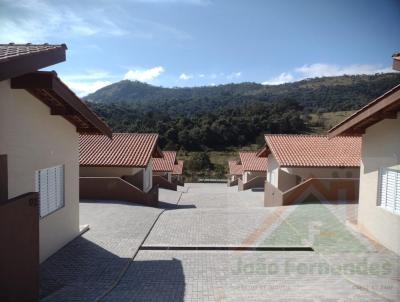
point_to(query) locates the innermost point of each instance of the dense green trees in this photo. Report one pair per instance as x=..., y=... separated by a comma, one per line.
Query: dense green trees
x=226, y=127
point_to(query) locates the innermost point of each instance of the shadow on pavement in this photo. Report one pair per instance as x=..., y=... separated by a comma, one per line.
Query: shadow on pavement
x=84, y=271
x=173, y=206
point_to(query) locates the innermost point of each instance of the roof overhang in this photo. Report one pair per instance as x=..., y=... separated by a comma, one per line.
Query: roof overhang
x=19, y=65
x=157, y=152
x=264, y=152
x=48, y=88
x=396, y=61
x=384, y=107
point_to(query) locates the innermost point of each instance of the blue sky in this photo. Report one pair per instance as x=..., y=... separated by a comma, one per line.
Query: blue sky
x=207, y=42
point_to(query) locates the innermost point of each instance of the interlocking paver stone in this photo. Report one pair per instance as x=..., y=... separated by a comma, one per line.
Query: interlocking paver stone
x=344, y=266
x=88, y=265
x=232, y=276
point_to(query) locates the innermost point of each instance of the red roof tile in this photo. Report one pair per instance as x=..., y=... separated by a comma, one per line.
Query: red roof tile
x=166, y=163
x=235, y=168
x=251, y=162
x=314, y=150
x=178, y=168
x=123, y=150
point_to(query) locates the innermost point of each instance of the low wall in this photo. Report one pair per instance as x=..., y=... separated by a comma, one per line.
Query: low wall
x=115, y=188
x=256, y=182
x=164, y=183
x=321, y=189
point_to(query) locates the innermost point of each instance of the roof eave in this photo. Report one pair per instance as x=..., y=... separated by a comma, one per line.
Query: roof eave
x=384, y=107
x=71, y=104
x=28, y=63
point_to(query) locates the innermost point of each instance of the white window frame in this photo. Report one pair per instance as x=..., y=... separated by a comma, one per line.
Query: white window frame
x=50, y=183
x=394, y=189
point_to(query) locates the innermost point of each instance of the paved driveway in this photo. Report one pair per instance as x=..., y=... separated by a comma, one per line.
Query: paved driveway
x=98, y=266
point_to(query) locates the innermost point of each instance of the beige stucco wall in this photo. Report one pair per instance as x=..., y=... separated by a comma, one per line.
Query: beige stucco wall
x=167, y=175
x=33, y=139
x=107, y=171
x=285, y=178
x=249, y=175
x=306, y=173
x=380, y=148
x=119, y=172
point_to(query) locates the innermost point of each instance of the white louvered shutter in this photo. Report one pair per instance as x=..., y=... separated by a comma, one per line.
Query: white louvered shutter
x=50, y=185
x=389, y=190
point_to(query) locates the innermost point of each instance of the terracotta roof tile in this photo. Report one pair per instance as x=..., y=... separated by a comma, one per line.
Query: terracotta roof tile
x=123, y=150
x=314, y=150
x=178, y=168
x=166, y=163
x=11, y=50
x=251, y=162
x=235, y=168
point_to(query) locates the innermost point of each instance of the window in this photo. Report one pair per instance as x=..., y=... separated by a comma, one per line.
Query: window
x=50, y=185
x=389, y=190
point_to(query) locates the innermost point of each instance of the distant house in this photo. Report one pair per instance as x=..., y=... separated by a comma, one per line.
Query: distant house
x=40, y=123
x=254, y=169
x=163, y=168
x=235, y=172
x=177, y=173
x=120, y=168
x=303, y=164
x=378, y=124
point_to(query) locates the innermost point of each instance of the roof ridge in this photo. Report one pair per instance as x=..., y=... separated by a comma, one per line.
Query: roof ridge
x=288, y=134
x=134, y=133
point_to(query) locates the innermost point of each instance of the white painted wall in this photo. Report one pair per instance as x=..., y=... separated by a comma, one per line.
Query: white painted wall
x=33, y=140
x=148, y=177
x=272, y=170
x=380, y=149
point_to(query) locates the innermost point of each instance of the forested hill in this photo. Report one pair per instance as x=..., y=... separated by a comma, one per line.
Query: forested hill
x=327, y=93
x=234, y=115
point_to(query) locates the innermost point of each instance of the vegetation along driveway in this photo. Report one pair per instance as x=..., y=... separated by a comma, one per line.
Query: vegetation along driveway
x=208, y=242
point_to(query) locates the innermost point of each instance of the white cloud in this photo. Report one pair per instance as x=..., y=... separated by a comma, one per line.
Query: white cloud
x=185, y=76
x=193, y=2
x=38, y=21
x=88, y=75
x=145, y=75
x=282, y=78
x=328, y=70
x=234, y=75
x=202, y=75
x=84, y=88
x=325, y=70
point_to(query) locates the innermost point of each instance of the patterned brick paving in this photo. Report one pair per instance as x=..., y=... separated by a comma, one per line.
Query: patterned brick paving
x=345, y=266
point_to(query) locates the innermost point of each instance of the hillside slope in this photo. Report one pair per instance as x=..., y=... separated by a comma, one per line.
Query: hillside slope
x=235, y=115
x=330, y=93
